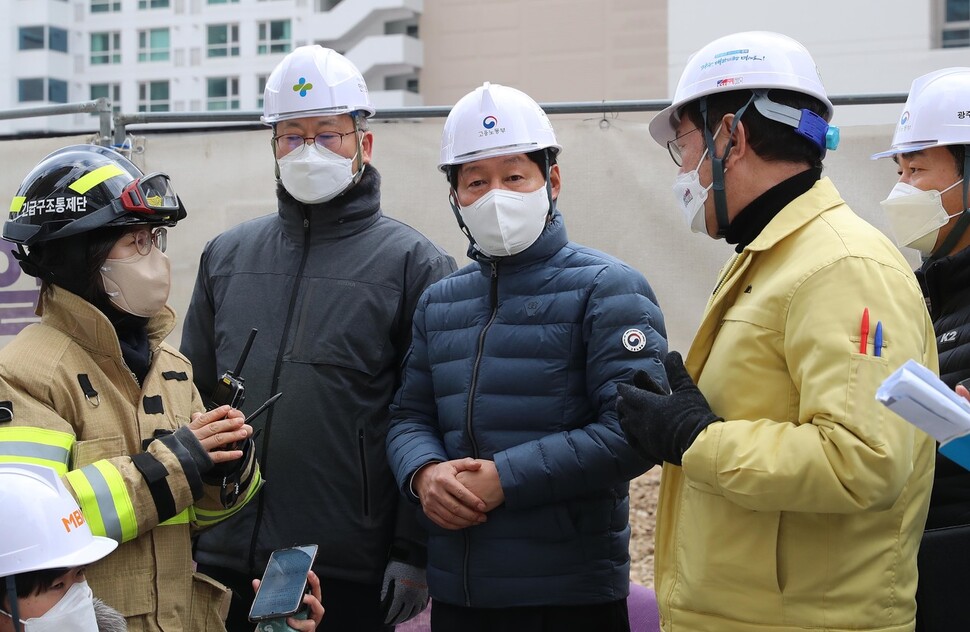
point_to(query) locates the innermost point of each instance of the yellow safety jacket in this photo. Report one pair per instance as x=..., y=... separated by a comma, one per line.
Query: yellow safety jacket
x=76, y=407
x=803, y=510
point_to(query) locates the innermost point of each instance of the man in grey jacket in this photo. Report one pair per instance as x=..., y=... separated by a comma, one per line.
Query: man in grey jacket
x=330, y=283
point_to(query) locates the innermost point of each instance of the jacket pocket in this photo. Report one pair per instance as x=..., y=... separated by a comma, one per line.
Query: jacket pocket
x=867, y=417
x=210, y=604
x=337, y=324
x=723, y=544
x=91, y=450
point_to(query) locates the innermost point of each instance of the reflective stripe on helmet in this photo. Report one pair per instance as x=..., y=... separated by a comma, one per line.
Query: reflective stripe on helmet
x=90, y=180
x=16, y=204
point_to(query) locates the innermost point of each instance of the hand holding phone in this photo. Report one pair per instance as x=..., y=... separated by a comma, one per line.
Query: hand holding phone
x=284, y=582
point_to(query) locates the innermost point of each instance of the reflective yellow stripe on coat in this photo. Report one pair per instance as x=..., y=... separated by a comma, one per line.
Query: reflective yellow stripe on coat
x=104, y=501
x=40, y=446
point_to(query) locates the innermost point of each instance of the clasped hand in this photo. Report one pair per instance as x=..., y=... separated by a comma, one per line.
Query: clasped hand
x=457, y=494
x=220, y=427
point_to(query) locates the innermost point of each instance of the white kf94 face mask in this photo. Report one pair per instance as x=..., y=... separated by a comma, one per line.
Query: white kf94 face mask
x=314, y=175
x=916, y=216
x=691, y=195
x=73, y=613
x=504, y=223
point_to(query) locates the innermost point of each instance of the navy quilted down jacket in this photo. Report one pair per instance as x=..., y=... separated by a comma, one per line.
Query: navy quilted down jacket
x=517, y=360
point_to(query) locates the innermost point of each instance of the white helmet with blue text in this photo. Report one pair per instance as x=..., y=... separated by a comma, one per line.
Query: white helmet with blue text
x=937, y=113
x=494, y=120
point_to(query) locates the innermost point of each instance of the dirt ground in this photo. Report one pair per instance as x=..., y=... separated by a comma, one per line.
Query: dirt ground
x=643, y=514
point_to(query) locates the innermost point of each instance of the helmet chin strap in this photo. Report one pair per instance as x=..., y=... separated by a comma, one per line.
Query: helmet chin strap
x=963, y=222
x=717, y=164
x=14, y=605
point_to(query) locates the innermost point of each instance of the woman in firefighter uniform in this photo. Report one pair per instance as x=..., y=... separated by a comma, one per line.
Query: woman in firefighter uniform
x=93, y=391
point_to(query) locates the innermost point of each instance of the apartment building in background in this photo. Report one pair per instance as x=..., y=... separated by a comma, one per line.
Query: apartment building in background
x=212, y=55
x=192, y=55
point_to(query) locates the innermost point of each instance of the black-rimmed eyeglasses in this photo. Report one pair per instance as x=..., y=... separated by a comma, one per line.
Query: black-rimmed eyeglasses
x=674, y=149
x=288, y=143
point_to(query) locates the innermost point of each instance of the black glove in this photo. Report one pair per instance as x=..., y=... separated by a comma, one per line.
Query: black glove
x=662, y=426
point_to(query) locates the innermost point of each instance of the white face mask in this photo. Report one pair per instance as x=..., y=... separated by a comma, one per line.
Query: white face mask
x=916, y=216
x=505, y=223
x=314, y=174
x=691, y=195
x=138, y=284
x=73, y=613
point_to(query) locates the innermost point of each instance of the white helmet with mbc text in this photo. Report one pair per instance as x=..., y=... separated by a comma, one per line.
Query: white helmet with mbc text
x=937, y=113
x=751, y=60
x=314, y=81
x=494, y=120
x=43, y=528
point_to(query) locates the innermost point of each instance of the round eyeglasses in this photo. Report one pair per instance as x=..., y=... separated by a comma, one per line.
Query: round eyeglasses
x=674, y=149
x=288, y=143
x=145, y=239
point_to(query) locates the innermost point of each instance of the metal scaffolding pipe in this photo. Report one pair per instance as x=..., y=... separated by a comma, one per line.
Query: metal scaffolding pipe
x=122, y=120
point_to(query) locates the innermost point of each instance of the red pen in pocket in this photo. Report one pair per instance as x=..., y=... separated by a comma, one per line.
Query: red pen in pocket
x=864, y=332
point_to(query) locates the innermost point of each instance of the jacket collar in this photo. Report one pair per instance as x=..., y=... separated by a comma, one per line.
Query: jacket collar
x=946, y=280
x=350, y=212
x=748, y=224
x=550, y=241
x=822, y=197
x=90, y=328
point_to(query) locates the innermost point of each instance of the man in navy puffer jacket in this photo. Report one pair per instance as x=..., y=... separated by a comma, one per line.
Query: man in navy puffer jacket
x=504, y=426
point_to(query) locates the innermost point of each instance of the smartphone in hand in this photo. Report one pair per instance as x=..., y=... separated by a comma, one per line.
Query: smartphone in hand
x=284, y=583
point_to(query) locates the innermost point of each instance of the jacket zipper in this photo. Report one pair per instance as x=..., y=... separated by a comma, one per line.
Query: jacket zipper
x=493, y=300
x=363, y=472
x=264, y=453
x=724, y=277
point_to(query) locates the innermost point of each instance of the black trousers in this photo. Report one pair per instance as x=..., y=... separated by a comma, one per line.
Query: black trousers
x=604, y=617
x=349, y=607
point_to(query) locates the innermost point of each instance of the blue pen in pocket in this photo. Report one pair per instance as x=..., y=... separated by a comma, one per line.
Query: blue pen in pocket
x=877, y=340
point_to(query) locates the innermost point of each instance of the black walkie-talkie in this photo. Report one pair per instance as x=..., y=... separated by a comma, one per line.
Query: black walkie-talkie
x=230, y=388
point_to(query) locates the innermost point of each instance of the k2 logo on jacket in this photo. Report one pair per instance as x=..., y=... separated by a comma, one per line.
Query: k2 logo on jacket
x=949, y=336
x=634, y=340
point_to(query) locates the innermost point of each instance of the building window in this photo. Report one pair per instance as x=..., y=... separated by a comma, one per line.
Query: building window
x=31, y=37
x=109, y=91
x=105, y=6
x=35, y=37
x=57, y=91
x=274, y=37
x=33, y=90
x=105, y=48
x=152, y=4
x=222, y=93
x=261, y=83
x=153, y=96
x=956, y=24
x=222, y=40
x=325, y=5
x=153, y=45
x=57, y=39
x=30, y=90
